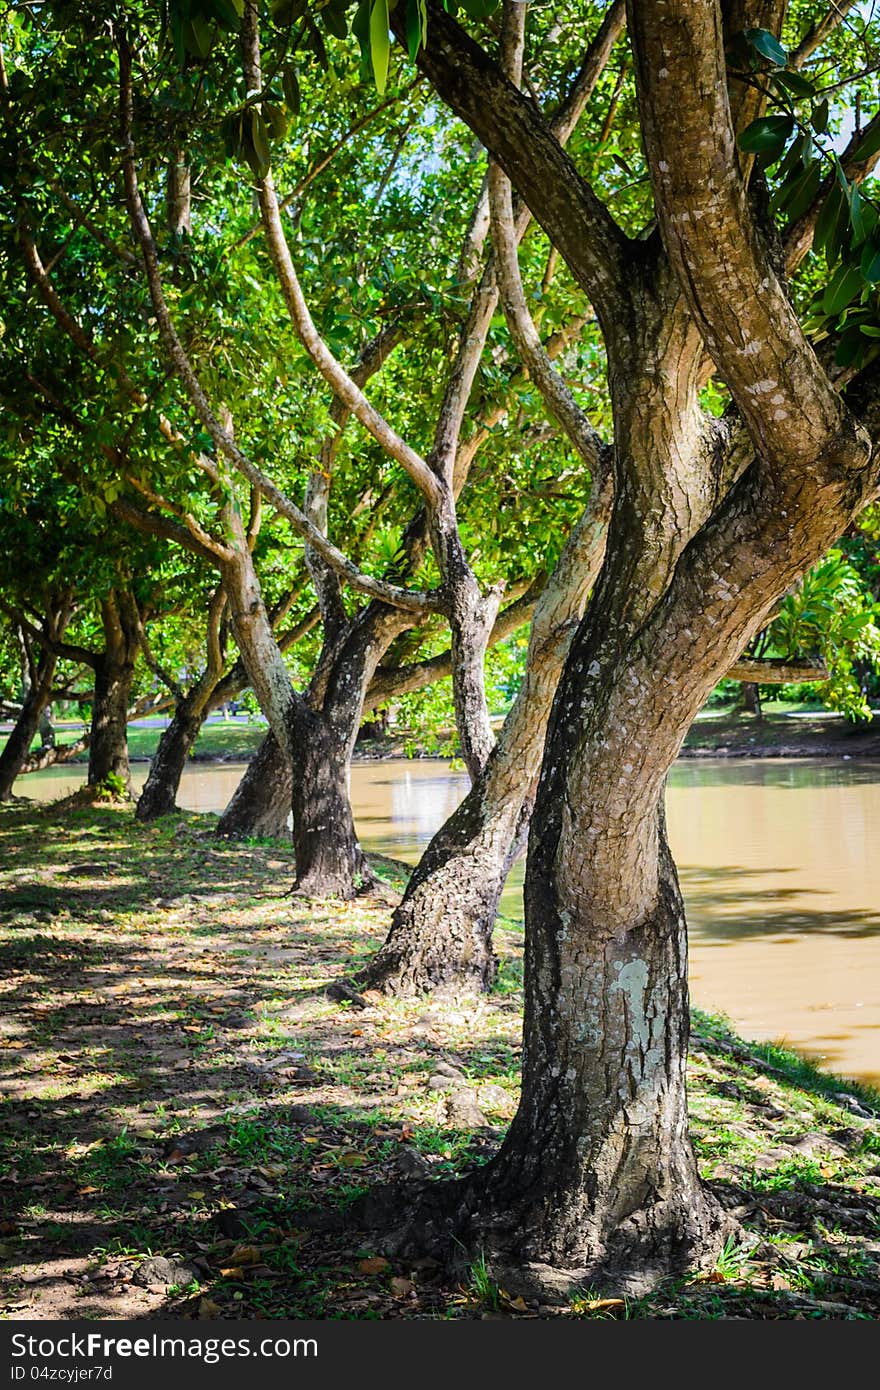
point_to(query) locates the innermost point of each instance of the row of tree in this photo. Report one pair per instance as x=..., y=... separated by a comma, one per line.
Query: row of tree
x=286, y=357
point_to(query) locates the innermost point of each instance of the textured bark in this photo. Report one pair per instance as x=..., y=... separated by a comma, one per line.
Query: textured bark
x=114, y=674
x=36, y=701
x=159, y=796
x=316, y=735
x=597, y=1177
x=441, y=934
x=261, y=804
x=329, y=858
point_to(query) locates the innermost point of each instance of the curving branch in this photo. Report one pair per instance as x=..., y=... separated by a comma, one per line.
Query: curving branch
x=515, y=132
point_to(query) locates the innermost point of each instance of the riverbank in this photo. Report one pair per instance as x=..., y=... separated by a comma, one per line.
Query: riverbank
x=778, y=734
x=190, y=1116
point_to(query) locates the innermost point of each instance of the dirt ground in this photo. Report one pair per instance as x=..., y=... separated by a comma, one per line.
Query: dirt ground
x=190, y=1122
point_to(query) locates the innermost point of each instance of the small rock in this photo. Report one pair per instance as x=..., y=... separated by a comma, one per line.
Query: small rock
x=409, y=1163
x=771, y=1159
x=340, y=991
x=159, y=1272
x=494, y=1097
x=444, y=1068
x=818, y=1145
x=462, y=1110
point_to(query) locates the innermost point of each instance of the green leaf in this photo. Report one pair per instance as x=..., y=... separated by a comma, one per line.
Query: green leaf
x=801, y=195
x=870, y=262
x=290, y=88
x=850, y=348
x=334, y=21
x=819, y=117
x=795, y=82
x=416, y=26
x=766, y=134
x=198, y=36
x=831, y=224
x=857, y=217
x=276, y=119
x=257, y=154
x=870, y=330
x=380, y=47
x=842, y=288
x=769, y=47
x=869, y=143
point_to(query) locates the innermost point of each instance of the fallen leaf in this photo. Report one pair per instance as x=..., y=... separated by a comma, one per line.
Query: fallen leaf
x=245, y=1255
x=401, y=1287
x=596, y=1303
x=232, y=1272
x=374, y=1265
x=519, y=1304
x=209, y=1309
x=85, y=1191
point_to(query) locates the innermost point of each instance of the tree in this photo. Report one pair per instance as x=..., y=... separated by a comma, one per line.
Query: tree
x=712, y=522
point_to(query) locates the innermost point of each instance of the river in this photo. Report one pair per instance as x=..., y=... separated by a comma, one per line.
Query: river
x=778, y=863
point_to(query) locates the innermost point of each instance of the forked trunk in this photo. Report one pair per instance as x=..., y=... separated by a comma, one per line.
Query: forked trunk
x=159, y=796
x=441, y=935
x=261, y=803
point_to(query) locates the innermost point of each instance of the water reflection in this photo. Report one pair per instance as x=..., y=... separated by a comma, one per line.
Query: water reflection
x=778, y=866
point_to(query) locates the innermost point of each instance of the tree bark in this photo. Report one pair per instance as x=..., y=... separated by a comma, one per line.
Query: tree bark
x=159, y=796
x=441, y=934
x=15, y=752
x=262, y=802
x=114, y=674
x=597, y=1177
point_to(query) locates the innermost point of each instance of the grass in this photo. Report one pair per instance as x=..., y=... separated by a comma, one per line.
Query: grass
x=181, y=1090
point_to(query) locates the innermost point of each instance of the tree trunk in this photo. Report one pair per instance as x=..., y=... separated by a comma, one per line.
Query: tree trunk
x=108, y=750
x=114, y=674
x=749, y=701
x=262, y=801
x=597, y=1177
x=17, y=746
x=329, y=858
x=441, y=934
x=159, y=796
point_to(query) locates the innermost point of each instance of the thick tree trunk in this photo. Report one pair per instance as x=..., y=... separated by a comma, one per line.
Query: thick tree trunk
x=159, y=796
x=17, y=747
x=108, y=750
x=329, y=858
x=317, y=741
x=597, y=1177
x=262, y=801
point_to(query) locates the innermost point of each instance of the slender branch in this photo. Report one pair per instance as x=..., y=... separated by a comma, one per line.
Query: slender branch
x=514, y=131
x=221, y=437
x=331, y=369
x=556, y=394
x=818, y=32
x=773, y=672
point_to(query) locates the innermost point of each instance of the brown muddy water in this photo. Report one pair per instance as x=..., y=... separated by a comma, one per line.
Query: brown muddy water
x=778, y=863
